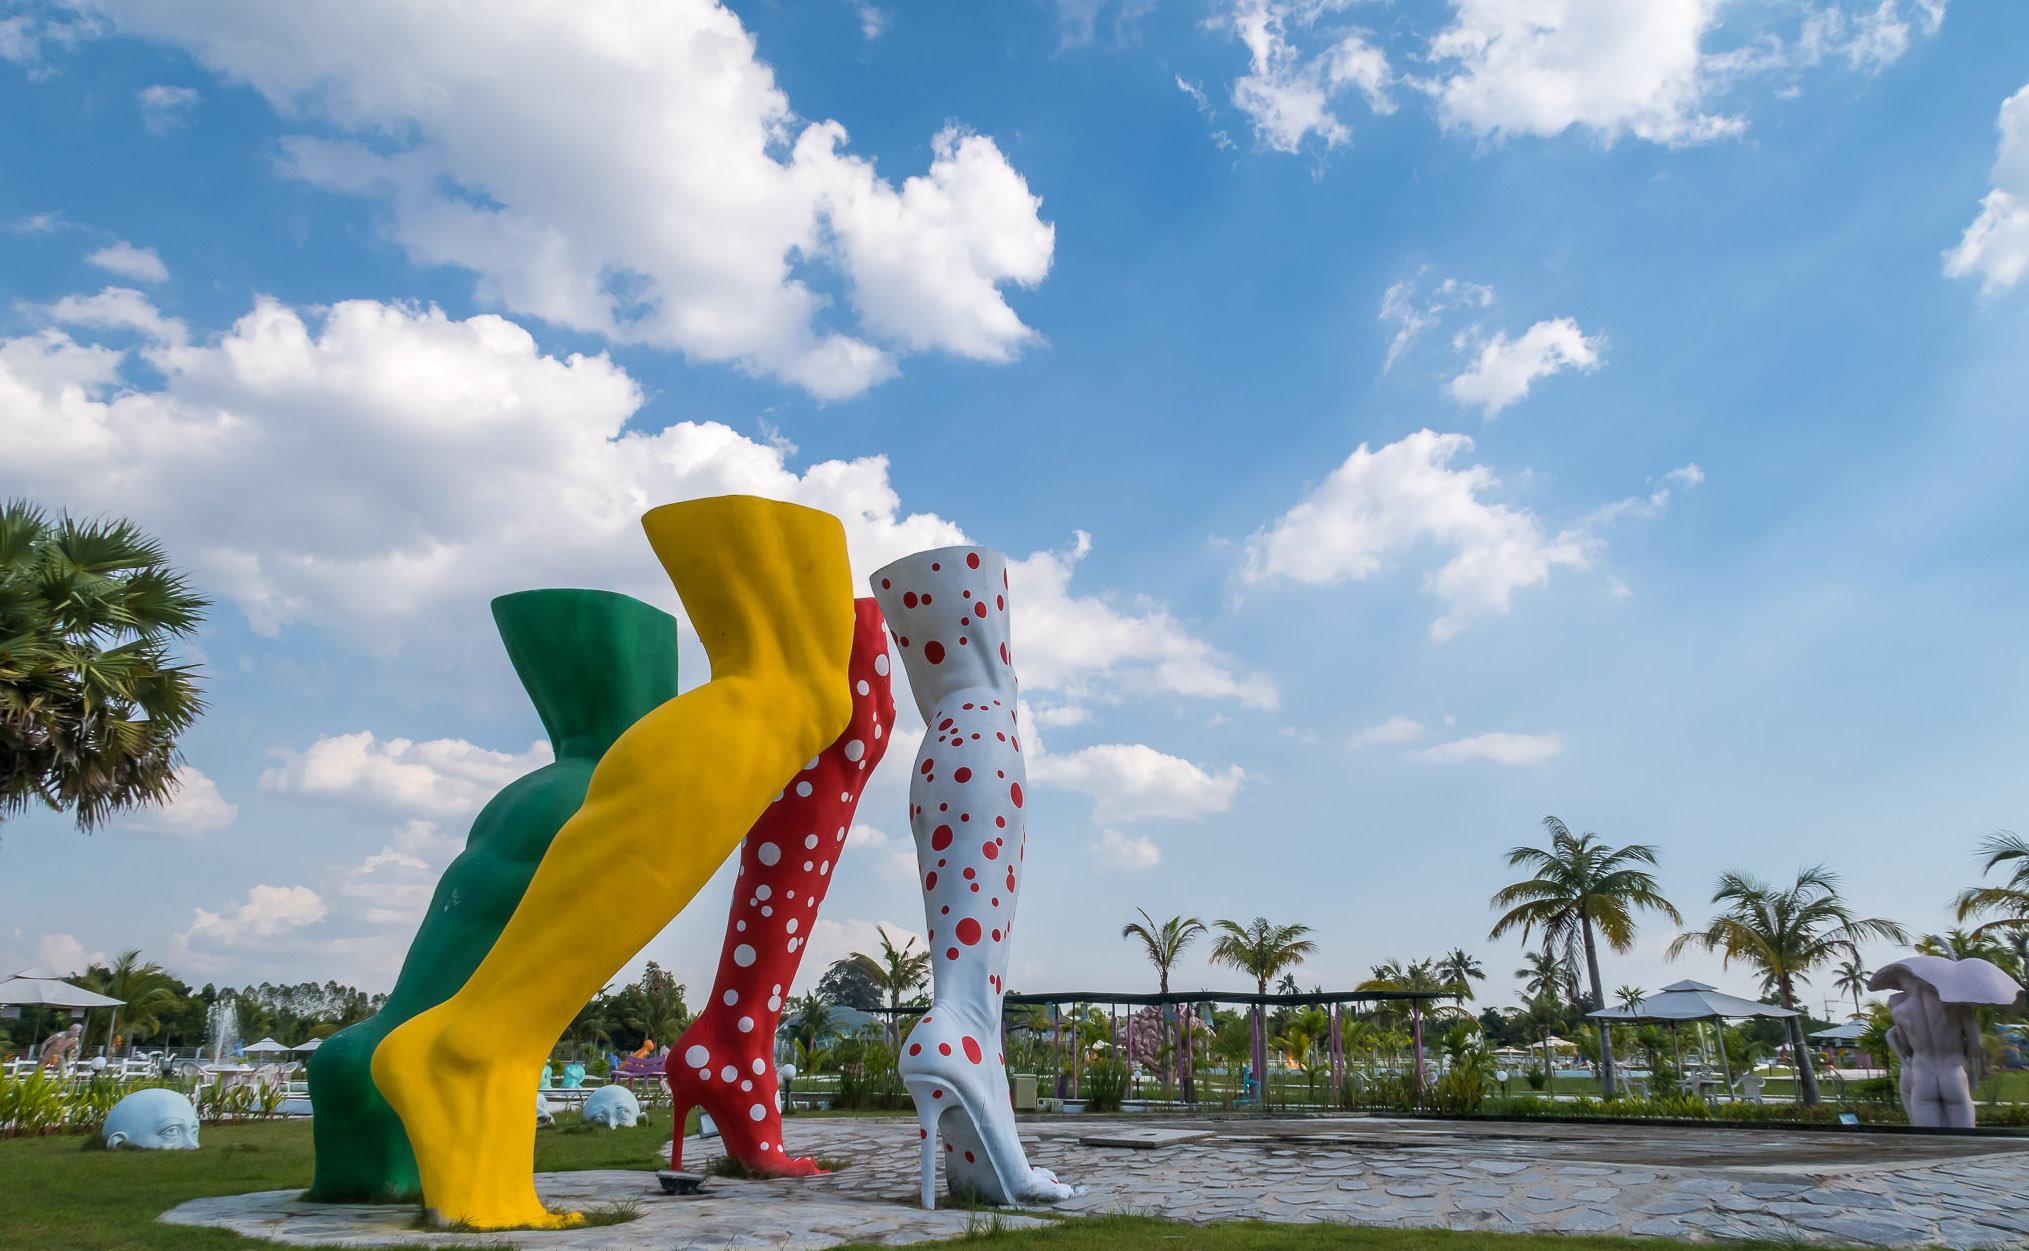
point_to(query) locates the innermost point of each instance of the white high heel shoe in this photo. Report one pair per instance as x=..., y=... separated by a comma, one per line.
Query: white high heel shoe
x=948, y=612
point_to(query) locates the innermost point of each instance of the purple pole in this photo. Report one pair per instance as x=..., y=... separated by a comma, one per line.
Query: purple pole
x=1416, y=1016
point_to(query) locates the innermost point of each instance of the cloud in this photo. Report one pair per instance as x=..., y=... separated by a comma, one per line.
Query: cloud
x=1542, y=67
x=165, y=108
x=895, y=856
x=1081, y=645
x=65, y=956
x=1505, y=368
x=1288, y=94
x=1996, y=246
x=833, y=939
x=1412, y=312
x=194, y=807
x=1499, y=747
x=1132, y=781
x=873, y=20
x=128, y=261
x=1651, y=505
x=1381, y=504
x=393, y=886
x=1115, y=850
x=267, y=913
x=1393, y=730
x=445, y=777
x=633, y=170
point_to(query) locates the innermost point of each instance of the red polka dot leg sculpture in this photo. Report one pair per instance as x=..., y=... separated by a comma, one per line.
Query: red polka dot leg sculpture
x=724, y=1062
x=949, y=613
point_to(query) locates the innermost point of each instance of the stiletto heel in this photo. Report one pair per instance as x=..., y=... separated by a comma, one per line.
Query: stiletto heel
x=926, y=1124
x=948, y=611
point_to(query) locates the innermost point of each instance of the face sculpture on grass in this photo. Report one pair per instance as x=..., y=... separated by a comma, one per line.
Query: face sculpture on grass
x=153, y=1120
x=612, y=1106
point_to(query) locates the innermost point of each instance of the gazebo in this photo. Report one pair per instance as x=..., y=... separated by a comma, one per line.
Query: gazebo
x=1847, y=1035
x=34, y=988
x=1690, y=1001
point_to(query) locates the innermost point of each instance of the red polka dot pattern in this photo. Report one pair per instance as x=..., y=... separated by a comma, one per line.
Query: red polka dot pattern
x=724, y=1060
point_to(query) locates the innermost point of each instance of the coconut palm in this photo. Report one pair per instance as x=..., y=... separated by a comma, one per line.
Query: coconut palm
x=2007, y=904
x=1851, y=979
x=1164, y=943
x=1261, y=950
x=1786, y=934
x=1583, y=890
x=1629, y=996
x=1542, y=975
x=899, y=972
x=1461, y=970
x=146, y=992
x=91, y=704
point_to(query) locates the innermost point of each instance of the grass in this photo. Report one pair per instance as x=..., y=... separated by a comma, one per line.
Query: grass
x=1142, y=1233
x=61, y=1194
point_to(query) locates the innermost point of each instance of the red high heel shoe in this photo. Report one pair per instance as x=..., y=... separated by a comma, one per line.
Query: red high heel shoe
x=724, y=1062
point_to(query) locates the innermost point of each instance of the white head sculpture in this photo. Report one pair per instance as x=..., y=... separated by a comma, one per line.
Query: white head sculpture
x=612, y=1106
x=154, y=1119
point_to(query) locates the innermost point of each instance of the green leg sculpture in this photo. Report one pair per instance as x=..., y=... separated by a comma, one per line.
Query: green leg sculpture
x=593, y=663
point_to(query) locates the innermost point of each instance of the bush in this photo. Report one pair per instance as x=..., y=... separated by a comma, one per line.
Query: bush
x=1105, y=1086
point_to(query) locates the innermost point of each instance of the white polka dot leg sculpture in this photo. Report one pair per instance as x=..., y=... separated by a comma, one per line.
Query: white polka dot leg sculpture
x=948, y=612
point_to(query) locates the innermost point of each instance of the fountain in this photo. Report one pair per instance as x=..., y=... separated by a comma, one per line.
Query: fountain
x=222, y=1030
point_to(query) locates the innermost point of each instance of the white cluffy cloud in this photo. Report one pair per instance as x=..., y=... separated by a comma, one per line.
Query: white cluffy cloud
x=165, y=108
x=1542, y=67
x=632, y=169
x=382, y=468
x=1121, y=851
x=393, y=886
x=1131, y=781
x=1413, y=312
x=1996, y=246
x=1287, y=92
x=1505, y=368
x=1383, y=503
x=128, y=261
x=1499, y=747
x=64, y=955
x=266, y=913
x=193, y=807
x=1393, y=730
x=445, y=777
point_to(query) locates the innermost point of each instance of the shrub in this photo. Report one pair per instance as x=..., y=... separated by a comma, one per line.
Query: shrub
x=1105, y=1086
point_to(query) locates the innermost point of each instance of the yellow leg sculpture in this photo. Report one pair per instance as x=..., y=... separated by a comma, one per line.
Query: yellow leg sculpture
x=769, y=589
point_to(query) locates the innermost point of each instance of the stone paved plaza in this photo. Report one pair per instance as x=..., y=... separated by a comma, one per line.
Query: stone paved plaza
x=1832, y=1188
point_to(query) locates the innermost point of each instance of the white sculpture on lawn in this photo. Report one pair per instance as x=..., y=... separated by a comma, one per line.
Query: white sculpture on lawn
x=612, y=1106
x=153, y=1119
x=1937, y=1031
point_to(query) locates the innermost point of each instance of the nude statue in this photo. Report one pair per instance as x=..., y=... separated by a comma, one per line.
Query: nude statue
x=1936, y=1034
x=59, y=1047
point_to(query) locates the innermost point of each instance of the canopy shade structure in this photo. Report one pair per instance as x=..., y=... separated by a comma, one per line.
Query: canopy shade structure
x=1689, y=1001
x=1845, y=1034
x=312, y=1045
x=35, y=988
x=267, y=1046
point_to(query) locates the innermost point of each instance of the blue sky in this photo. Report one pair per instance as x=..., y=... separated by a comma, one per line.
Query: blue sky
x=1407, y=420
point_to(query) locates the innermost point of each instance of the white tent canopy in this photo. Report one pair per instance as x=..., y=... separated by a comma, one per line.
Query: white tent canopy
x=1689, y=1001
x=312, y=1045
x=267, y=1046
x=35, y=988
x=1850, y=1032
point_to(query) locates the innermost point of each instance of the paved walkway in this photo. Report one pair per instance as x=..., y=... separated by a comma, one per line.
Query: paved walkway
x=1835, y=1188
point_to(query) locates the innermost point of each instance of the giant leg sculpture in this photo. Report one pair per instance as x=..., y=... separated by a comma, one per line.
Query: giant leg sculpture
x=948, y=611
x=768, y=588
x=593, y=663
x=724, y=1061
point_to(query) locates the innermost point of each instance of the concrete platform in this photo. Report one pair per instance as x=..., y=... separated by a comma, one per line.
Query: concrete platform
x=1683, y=1183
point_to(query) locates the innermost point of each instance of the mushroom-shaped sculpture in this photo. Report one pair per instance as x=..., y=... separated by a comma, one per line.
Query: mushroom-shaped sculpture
x=1937, y=1031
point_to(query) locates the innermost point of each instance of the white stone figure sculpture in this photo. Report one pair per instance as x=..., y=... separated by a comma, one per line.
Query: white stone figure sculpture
x=948, y=611
x=154, y=1119
x=612, y=1106
x=1937, y=1031
x=543, y=1113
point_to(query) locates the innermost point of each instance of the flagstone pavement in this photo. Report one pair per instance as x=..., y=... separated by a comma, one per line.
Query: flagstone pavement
x=1697, y=1184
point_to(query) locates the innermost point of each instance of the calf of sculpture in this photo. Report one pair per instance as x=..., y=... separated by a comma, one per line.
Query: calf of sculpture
x=724, y=1060
x=154, y=1119
x=615, y=1107
x=768, y=588
x=949, y=611
x=1936, y=1033
x=593, y=663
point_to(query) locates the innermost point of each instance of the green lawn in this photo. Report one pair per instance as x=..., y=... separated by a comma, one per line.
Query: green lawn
x=1140, y=1233
x=60, y=1195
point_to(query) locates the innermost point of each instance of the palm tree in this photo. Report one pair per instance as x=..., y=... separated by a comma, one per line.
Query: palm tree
x=1461, y=970
x=1583, y=887
x=90, y=703
x=145, y=992
x=1542, y=974
x=1261, y=950
x=1851, y=979
x=2008, y=903
x=899, y=973
x=1629, y=996
x=1164, y=943
x=1785, y=935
